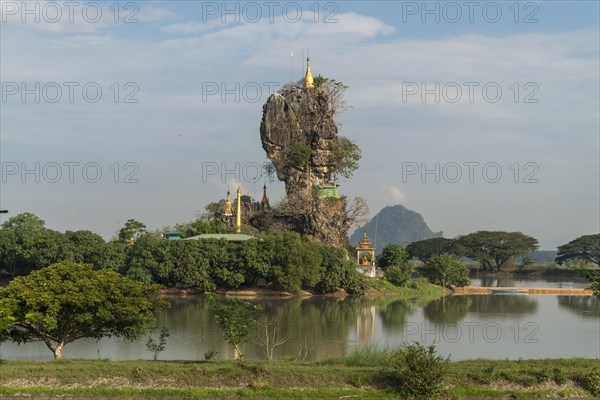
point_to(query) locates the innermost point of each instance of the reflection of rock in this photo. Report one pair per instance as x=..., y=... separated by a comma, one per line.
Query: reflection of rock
x=583, y=306
x=448, y=309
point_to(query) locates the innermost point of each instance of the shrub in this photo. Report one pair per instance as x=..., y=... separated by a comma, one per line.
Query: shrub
x=398, y=276
x=416, y=372
x=591, y=382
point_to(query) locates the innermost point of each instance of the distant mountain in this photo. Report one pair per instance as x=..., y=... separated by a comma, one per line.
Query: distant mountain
x=544, y=255
x=395, y=224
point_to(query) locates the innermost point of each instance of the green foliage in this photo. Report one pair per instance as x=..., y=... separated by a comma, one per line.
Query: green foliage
x=24, y=221
x=494, y=249
x=446, y=271
x=68, y=301
x=347, y=154
x=593, y=277
x=157, y=347
x=591, y=382
x=398, y=276
x=88, y=247
x=585, y=248
x=416, y=372
x=334, y=91
x=202, y=224
x=295, y=263
x=285, y=260
x=393, y=255
x=236, y=318
x=23, y=250
x=210, y=354
x=299, y=154
x=428, y=248
x=132, y=230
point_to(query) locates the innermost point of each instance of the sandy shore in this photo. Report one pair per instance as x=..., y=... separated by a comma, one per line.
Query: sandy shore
x=531, y=290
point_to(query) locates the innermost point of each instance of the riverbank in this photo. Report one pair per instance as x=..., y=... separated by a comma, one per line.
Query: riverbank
x=354, y=376
x=376, y=288
x=533, y=291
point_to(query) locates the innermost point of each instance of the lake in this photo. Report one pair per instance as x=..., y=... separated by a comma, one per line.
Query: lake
x=464, y=327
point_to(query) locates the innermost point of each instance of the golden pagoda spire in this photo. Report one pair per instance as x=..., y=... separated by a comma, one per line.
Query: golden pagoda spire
x=308, y=78
x=238, y=212
x=228, y=209
x=264, y=203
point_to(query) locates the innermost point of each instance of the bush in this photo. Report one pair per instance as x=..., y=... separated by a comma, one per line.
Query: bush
x=416, y=372
x=398, y=276
x=591, y=382
x=393, y=255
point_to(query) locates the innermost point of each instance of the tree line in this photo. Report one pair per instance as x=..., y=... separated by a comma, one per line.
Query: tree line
x=284, y=261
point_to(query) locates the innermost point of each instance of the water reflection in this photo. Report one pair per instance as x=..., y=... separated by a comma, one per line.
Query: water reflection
x=503, y=305
x=531, y=281
x=320, y=327
x=394, y=315
x=582, y=306
x=448, y=310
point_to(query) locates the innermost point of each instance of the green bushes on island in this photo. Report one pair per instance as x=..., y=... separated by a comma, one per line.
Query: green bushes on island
x=285, y=261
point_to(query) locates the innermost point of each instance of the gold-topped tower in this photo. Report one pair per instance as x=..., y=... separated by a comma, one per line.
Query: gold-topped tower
x=264, y=203
x=228, y=208
x=308, y=78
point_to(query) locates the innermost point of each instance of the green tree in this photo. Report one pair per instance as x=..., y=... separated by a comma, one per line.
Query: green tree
x=299, y=154
x=88, y=247
x=23, y=250
x=24, y=221
x=295, y=263
x=131, y=231
x=236, y=319
x=157, y=347
x=68, y=301
x=347, y=155
x=586, y=248
x=428, y=248
x=393, y=255
x=493, y=249
x=334, y=91
x=446, y=271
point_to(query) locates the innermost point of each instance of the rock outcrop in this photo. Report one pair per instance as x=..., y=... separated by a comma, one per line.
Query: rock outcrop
x=301, y=117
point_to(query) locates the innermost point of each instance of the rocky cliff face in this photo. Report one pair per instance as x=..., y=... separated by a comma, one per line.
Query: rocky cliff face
x=302, y=116
x=299, y=116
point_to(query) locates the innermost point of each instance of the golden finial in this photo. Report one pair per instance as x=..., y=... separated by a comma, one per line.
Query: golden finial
x=265, y=200
x=308, y=78
x=228, y=209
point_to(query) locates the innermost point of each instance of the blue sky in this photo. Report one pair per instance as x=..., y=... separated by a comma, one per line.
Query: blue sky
x=444, y=100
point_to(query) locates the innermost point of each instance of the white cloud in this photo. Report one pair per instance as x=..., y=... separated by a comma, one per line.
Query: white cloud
x=397, y=195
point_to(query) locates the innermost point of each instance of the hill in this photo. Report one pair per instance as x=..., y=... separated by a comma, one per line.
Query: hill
x=395, y=224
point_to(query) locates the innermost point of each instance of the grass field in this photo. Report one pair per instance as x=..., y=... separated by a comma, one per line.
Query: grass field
x=355, y=375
